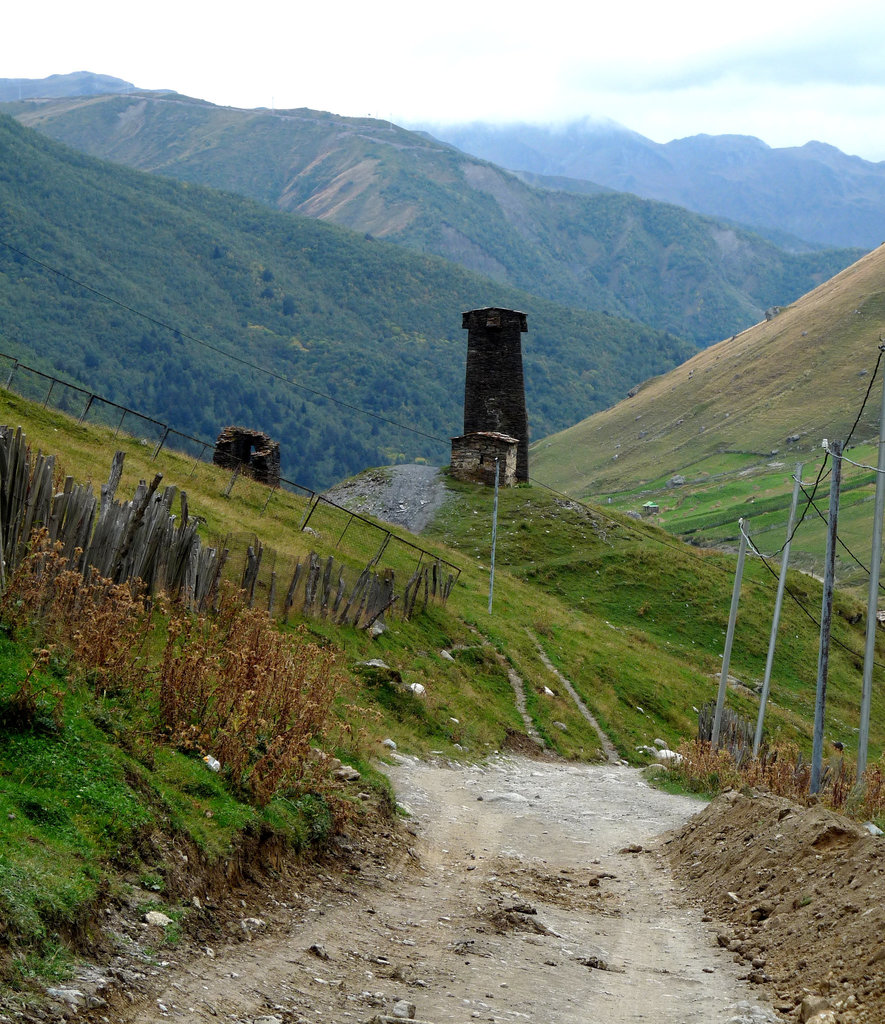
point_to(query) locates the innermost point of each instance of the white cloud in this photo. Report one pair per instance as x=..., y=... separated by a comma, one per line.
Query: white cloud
x=778, y=69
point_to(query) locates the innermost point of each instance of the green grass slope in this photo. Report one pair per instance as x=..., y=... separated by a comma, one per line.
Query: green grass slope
x=630, y=614
x=658, y=263
x=370, y=324
x=736, y=418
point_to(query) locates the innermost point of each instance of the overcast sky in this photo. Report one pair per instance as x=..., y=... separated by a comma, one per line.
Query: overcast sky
x=781, y=70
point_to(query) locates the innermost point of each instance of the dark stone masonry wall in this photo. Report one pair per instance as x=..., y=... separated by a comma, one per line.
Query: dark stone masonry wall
x=494, y=388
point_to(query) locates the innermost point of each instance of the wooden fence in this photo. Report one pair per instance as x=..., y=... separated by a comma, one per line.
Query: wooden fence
x=142, y=539
x=325, y=516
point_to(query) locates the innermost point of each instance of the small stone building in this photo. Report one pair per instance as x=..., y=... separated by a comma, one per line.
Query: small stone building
x=253, y=451
x=473, y=458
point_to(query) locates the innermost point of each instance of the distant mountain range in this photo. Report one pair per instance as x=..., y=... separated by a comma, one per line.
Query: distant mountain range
x=653, y=262
x=814, y=192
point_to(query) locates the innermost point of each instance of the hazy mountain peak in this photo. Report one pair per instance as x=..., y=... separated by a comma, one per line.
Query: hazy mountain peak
x=77, y=83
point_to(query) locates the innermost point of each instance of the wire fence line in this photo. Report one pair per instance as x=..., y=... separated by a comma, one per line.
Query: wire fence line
x=349, y=530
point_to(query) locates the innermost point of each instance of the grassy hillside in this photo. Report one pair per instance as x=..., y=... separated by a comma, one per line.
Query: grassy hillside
x=736, y=418
x=367, y=323
x=97, y=793
x=654, y=262
x=631, y=615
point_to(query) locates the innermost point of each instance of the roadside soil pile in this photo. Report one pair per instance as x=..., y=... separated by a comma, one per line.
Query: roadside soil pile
x=799, y=895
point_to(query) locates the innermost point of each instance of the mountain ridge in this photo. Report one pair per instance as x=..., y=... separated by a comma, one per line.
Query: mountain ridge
x=813, y=192
x=359, y=321
x=613, y=252
x=773, y=390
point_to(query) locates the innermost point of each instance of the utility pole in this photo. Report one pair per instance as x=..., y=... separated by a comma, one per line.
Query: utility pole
x=873, y=599
x=834, y=449
x=494, y=539
x=775, y=622
x=729, y=636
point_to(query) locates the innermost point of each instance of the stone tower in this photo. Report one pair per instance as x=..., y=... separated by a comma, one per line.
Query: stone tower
x=494, y=390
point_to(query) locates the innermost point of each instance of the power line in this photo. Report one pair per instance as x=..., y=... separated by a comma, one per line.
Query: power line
x=866, y=396
x=220, y=351
x=842, y=543
x=808, y=613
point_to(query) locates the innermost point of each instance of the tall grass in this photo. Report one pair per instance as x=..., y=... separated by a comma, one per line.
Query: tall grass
x=233, y=686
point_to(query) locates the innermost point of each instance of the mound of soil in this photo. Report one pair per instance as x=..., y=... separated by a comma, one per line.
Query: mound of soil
x=800, y=894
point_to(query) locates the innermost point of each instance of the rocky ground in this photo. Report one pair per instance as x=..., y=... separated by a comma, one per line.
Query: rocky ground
x=407, y=495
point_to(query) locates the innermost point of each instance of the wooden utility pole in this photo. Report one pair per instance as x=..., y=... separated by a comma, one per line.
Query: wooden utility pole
x=729, y=637
x=826, y=617
x=873, y=600
x=776, y=618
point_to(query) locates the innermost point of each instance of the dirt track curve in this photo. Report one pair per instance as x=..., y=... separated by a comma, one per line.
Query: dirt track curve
x=523, y=898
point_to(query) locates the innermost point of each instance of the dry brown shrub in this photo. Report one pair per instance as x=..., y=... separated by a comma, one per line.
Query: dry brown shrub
x=102, y=625
x=235, y=687
x=783, y=770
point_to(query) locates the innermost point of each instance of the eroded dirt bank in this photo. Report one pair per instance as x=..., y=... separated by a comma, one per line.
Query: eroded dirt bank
x=524, y=896
x=800, y=894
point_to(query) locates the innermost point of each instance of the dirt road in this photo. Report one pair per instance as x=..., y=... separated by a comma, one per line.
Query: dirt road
x=517, y=902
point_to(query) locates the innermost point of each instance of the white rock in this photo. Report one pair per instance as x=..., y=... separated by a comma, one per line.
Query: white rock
x=446, y=655
x=154, y=917
x=71, y=996
x=252, y=925
x=661, y=744
x=417, y=689
x=389, y=743
x=548, y=692
x=669, y=755
x=873, y=829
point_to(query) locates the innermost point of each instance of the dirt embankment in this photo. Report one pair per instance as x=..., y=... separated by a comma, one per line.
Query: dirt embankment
x=799, y=895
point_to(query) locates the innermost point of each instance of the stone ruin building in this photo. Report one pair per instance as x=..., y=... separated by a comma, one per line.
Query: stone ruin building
x=494, y=398
x=253, y=451
x=473, y=458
